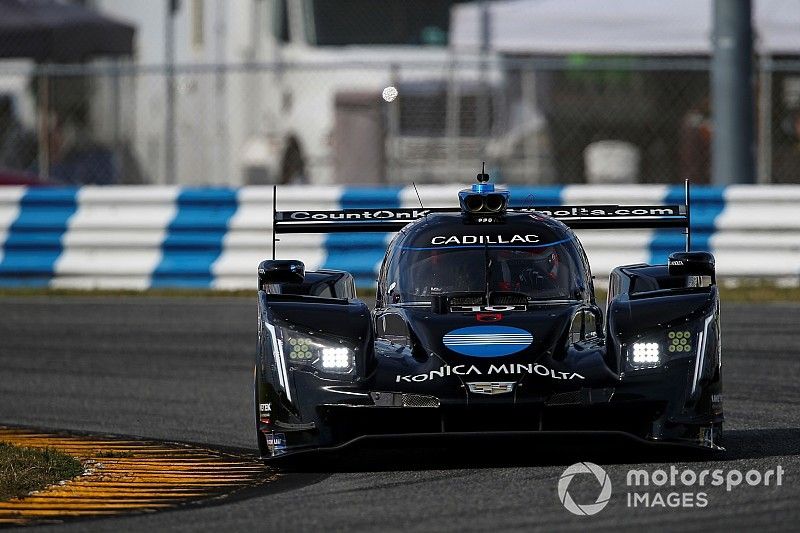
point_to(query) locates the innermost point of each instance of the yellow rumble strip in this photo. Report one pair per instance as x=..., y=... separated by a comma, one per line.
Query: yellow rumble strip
x=124, y=476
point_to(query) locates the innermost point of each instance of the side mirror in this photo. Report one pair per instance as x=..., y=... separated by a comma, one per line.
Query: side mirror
x=280, y=271
x=692, y=264
x=585, y=325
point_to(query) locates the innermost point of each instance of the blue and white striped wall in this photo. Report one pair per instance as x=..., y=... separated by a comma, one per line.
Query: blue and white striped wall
x=142, y=237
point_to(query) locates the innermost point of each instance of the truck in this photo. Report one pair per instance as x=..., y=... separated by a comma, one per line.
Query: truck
x=290, y=91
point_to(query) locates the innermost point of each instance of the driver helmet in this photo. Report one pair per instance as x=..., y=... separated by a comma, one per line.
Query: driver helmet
x=518, y=268
x=545, y=260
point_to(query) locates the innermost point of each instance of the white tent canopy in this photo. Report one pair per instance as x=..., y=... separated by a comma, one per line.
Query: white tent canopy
x=641, y=27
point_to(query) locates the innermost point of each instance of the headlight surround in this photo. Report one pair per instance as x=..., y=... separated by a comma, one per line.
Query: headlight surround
x=653, y=351
x=325, y=354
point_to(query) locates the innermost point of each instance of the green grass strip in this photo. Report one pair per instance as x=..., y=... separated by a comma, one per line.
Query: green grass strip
x=23, y=470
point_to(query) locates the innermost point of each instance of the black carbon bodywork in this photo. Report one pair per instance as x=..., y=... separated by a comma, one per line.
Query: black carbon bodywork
x=572, y=370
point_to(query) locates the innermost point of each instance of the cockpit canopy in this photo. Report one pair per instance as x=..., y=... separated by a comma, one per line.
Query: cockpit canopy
x=526, y=255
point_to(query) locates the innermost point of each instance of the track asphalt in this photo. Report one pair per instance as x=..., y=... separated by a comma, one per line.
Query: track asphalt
x=181, y=369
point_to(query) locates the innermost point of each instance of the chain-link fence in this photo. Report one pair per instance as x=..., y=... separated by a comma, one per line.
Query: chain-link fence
x=534, y=120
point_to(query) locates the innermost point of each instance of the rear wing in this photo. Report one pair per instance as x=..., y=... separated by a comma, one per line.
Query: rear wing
x=395, y=219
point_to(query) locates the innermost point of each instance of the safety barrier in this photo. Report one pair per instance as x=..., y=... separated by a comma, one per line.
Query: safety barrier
x=143, y=237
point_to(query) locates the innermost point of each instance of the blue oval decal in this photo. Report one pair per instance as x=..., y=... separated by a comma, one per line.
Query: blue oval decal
x=488, y=341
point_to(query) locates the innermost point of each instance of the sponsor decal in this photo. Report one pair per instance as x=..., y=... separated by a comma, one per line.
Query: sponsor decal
x=605, y=211
x=367, y=214
x=488, y=341
x=486, y=308
x=488, y=317
x=444, y=240
x=491, y=387
x=410, y=214
x=472, y=370
x=265, y=412
x=276, y=441
x=562, y=211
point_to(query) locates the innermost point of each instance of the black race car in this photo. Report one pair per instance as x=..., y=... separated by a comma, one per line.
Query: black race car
x=486, y=323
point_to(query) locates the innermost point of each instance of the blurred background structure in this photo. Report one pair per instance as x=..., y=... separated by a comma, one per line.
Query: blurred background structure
x=242, y=92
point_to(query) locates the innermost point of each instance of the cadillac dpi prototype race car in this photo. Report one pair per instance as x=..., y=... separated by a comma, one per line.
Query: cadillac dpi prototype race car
x=486, y=323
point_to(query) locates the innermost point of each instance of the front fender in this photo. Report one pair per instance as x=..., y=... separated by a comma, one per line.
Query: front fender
x=348, y=320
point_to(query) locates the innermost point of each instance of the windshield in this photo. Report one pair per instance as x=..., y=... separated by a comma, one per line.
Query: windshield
x=549, y=272
x=394, y=22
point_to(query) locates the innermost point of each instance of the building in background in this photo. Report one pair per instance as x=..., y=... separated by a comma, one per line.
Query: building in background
x=635, y=73
x=280, y=91
x=50, y=118
x=236, y=92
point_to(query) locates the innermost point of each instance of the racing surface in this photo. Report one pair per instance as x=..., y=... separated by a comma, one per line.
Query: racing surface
x=181, y=369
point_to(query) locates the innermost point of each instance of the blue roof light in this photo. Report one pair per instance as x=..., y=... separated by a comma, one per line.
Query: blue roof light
x=482, y=188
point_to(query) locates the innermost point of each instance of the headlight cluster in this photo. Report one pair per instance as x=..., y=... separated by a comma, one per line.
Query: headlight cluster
x=646, y=354
x=326, y=355
x=652, y=352
x=679, y=341
x=336, y=358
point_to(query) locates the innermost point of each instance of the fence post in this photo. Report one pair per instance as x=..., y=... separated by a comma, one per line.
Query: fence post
x=452, y=116
x=44, y=124
x=391, y=133
x=764, y=157
x=732, y=93
x=169, y=133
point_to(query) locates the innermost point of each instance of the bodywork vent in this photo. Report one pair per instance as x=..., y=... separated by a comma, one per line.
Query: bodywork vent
x=565, y=398
x=399, y=399
x=466, y=299
x=418, y=400
x=508, y=298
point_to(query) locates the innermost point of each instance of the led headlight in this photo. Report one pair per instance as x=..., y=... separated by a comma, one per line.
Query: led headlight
x=336, y=358
x=679, y=341
x=324, y=354
x=644, y=355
